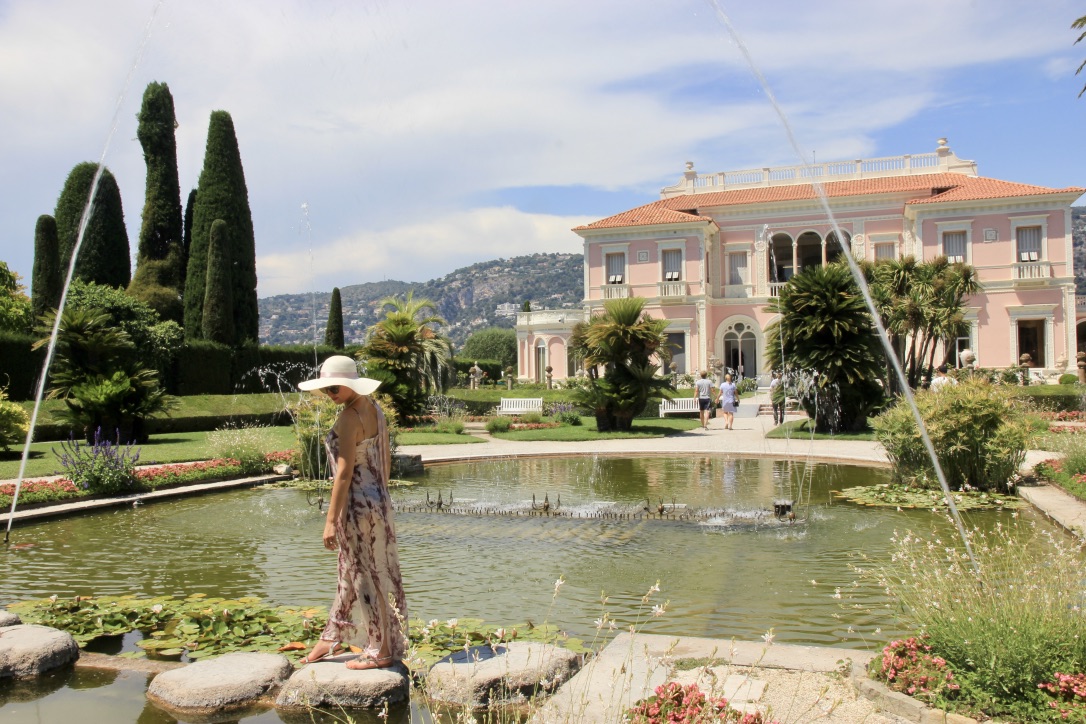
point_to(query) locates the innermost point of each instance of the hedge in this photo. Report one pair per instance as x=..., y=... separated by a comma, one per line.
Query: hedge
x=492, y=368
x=199, y=367
x=1054, y=397
x=20, y=365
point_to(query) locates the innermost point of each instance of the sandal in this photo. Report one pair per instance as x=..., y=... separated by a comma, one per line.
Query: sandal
x=333, y=650
x=366, y=663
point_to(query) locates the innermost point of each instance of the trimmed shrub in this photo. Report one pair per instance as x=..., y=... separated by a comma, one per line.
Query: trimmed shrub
x=223, y=195
x=14, y=422
x=218, y=319
x=977, y=429
x=1068, y=378
x=333, y=330
x=451, y=427
x=20, y=365
x=568, y=418
x=1054, y=398
x=531, y=418
x=47, y=279
x=499, y=424
x=104, y=257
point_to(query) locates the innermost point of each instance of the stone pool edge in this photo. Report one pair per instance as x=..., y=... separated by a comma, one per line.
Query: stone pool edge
x=93, y=505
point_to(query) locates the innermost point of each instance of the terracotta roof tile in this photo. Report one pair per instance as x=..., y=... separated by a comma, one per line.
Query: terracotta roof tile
x=975, y=189
x=950, y=187
x=646, y=215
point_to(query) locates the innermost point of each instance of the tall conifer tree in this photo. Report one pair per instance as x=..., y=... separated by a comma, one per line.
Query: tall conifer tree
x=218, y=319
x=333, y=331
x=158, y=275
x=47, y=280
x=104, y=257
x=186, y=238
x=222, y=194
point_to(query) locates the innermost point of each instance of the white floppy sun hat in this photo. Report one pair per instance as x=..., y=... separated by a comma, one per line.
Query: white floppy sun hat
x=342, y=371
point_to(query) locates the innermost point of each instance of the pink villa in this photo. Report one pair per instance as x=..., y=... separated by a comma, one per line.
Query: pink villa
x=710, y=253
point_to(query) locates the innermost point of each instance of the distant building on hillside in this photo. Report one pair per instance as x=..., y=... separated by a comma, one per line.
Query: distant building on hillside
x=715, y=248
x=508, y=309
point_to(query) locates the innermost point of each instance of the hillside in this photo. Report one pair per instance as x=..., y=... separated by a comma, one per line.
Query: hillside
x=468, y=298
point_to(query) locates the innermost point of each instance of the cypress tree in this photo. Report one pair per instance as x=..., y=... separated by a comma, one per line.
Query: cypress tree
x=186, y=238
x=333, y=331
x=47, y=280
x=218, y=318
x=222, y=194
x=104, y=257
x=158, y=278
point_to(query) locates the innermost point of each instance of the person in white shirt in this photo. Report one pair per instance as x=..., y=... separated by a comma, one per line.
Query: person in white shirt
x=941, y=380
x=703, y=390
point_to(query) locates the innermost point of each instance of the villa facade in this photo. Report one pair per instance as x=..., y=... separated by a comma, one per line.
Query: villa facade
x=715, y=248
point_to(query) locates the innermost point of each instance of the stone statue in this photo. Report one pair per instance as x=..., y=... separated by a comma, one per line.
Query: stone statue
x=476, y=376
x=968, y=358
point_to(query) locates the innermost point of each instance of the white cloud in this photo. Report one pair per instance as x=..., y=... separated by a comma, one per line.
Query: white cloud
x=417, y=251
x=385, y=115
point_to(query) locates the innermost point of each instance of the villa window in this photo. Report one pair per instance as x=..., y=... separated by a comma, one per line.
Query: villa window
x=737, y=267
x=616, y=268
x=885, y=251
x=954, y=246
x=673, y=261
x=1029, y=243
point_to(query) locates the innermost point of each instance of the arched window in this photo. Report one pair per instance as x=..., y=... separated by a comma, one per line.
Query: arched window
x=740, y=351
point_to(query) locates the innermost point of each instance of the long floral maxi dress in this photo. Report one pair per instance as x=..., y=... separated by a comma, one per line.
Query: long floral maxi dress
x=370, y=603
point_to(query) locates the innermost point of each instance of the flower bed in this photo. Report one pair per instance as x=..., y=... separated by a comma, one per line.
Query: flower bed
x=1067, y=429
x=1052, y=471
x=1063, y=415
x=534, y=425
x=152, y=477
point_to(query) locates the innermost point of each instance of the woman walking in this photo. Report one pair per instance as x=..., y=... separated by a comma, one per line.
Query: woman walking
x=729, y=400
x=370, y=609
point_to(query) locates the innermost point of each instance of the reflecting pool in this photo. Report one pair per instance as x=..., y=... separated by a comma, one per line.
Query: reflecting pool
x=733, y=575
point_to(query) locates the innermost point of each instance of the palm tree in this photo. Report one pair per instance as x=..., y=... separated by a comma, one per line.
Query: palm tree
x=825, y=335
x=623, y=341
x=100, y=376
x=407, y=353
x=1079, y=25
x=923, y=304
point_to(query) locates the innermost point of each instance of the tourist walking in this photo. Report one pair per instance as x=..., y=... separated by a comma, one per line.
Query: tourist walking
x=369, y=611
x=729, y=400
x=703, y=390
x=777, y=398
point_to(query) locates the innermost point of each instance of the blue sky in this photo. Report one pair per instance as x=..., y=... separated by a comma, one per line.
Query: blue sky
x=425, y=135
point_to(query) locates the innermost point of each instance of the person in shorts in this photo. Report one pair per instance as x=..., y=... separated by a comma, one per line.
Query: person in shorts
x=703, y=391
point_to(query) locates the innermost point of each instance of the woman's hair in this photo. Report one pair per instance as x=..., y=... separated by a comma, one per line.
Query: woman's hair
x=727, y=378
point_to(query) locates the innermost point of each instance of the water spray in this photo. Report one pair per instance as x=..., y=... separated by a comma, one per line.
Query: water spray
x=861, y=282
x=83, y=222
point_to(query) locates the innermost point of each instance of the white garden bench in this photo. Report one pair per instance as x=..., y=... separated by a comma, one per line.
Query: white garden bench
x=520, y=405
x=679, y=404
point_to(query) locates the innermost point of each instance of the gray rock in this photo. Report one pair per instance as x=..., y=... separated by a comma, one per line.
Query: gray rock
x=508, y=673
x=29, y=650
x=330, y=683
x=230, y=681
x=282, y=469
x=9, y=619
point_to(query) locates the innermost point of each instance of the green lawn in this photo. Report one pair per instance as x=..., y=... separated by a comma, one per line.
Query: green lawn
x=648, y=427
x=168, y=448
x=800, y=428
x=435, y=438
